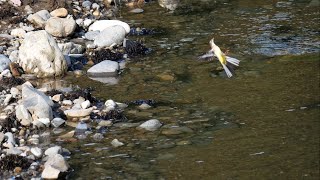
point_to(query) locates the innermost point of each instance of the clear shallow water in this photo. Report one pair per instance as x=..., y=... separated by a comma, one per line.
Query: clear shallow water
x=262, y=124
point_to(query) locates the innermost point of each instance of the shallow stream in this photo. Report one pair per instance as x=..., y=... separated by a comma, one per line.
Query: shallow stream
x=261, y=124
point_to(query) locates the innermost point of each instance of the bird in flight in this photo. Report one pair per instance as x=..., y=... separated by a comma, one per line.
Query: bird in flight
x=226, y=61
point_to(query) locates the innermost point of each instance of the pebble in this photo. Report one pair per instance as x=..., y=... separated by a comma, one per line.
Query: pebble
x=56, y=122
x=116, y=143
x=61, y=12
x=37, y=152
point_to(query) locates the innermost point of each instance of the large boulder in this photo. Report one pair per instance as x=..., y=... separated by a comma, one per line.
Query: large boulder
x=40, y=55
x=61, y=27
x=36, y=102
x=4, y=62
x=103, y=24
x=110, y=36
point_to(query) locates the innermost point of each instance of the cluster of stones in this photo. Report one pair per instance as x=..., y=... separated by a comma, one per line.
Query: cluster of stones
x=34, y=110
x=41, y=46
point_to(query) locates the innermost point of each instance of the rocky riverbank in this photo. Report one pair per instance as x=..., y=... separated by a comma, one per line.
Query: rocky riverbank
x=45, y=40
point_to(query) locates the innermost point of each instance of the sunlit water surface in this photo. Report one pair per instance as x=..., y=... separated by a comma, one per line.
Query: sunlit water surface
x=261, y=124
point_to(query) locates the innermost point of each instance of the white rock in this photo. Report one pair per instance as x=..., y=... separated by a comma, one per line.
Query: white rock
x=116, y=143
x=151, y=125
x=144, y=106
x=61, y=12
x=7, y=99
x=57, y=97
x=23, y=115
x=67, y=102
x=44, y=14
x=39, y=54
x=10, y=140
x=45, y=121
x=56, y=122
x=6, y=73
x=87, y=22
x=57, y=161
x=4, y=62
x=36, y=20
x=28, y=9
x=103, y=24
x=53, y=151
x=110, y=105
x=36, y=151
x=13, y=150
x=110, y=36
x=14, y=56
x=14, y=91
x=104, y=69
x=69, y=48
x=91, y=35
x=18, y=32
x=50, y=173
x=85, y=104
x=79, y=21
x=78, y=112
x=61, y=27
x=39, y=18
x=36, y=102
x=79, y=100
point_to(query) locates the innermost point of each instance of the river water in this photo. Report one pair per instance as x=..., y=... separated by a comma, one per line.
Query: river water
x=261, y=124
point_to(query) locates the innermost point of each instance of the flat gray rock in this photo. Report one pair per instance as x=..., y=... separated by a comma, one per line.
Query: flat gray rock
x=104, y=69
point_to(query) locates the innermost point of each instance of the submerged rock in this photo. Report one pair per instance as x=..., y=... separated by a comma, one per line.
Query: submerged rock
x=104, y=68
x=116, y=143
x=151, y=125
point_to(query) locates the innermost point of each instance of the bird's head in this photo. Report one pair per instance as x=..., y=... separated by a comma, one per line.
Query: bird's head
x=212, y=43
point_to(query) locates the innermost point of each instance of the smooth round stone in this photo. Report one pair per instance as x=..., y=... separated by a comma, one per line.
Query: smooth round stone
x=86, y=4
x=151, y=125
x=103, y=24
x=36, y=151
x=137, y=10
x=78, y=112
x=61, y=12
x=116, y=143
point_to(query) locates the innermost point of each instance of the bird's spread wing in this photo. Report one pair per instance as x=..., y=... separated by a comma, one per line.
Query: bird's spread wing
x=209, y=54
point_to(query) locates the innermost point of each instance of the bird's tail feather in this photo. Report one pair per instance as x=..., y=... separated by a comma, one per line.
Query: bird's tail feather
x=233, y=61
x=227, y=70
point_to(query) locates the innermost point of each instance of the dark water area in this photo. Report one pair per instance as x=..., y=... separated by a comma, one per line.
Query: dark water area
x=261, y=124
